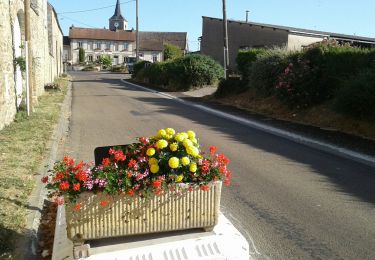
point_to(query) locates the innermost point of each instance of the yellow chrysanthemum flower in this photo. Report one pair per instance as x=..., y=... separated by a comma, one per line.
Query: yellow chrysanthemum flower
x=194, y=140
x=170, y=131
x=179, y=178
x=152, y=161
x=190, y=134
x=174, y=162
x=161, y=133
x=179, y=137
x=168, y=137
x=185, y=161
x=161, y=143
x=150, y=151
x=154, y=168
x=185, y=135
x=193, y=167
x=192, y=150
x=187, y=143
x=173, y=147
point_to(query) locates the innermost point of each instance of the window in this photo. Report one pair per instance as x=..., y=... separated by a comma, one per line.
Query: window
x=90, y=58
x=125, y=59
x=154, y=58
x=104, y=46
x=98, y=57
x=89, y=44
x=109, y=46
x=141, y=54
x=80, y=44
x=116, y=46
x=126, y=46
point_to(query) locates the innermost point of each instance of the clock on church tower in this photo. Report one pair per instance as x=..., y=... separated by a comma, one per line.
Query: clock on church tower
x=117, y=21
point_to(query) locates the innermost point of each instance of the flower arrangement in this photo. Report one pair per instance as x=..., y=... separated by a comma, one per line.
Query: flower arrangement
x=150, y=166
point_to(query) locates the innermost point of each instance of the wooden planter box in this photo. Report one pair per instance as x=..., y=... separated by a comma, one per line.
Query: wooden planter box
x=124, y=215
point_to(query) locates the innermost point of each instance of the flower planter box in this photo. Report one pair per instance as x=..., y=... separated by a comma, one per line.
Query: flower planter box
x=124, y=215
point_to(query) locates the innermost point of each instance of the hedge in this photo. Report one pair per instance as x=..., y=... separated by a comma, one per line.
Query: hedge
x=184, y=73
x=244, y=60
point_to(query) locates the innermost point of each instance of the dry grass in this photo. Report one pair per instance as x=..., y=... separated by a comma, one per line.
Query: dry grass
x=321, y=116
x=22, y=149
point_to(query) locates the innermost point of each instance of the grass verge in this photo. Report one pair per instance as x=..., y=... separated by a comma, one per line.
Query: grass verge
x=22, y=149
x=321, y=116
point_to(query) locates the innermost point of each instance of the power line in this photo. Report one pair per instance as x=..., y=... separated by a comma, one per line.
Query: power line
x=95, y=9
x=66, y=17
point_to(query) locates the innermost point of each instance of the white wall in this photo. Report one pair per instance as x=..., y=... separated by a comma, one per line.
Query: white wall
x=296, y=42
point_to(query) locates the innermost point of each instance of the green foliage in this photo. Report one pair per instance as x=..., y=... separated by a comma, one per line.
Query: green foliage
x=105, y=61
x=244, y=60
x=138, y=66
x=194, y=71
x=89, y=68
x=230, y=86
x=21, y=62
x=180, y=74
x=357, y=96
x=118, y=68
x=265, y=71
x=171, y=52
x=81, y=55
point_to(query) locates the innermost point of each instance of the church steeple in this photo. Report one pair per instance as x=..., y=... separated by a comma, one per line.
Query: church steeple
x=117, y=21
x=117, y=14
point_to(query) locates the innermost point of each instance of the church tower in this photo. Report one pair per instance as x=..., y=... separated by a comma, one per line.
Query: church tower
x=117, y=21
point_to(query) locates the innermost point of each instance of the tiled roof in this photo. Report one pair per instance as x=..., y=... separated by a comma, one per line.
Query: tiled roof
x=154, y=41
x=101, y=34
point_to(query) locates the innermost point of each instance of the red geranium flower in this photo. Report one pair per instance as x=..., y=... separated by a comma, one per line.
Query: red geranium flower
x=106, y=162
x=77, y=207
x=132, y=163
x=68, y=161
x=156, y=183
x=45, y=179
x=119, y=156
x=76, y=186
x=130, y=192
x=205, y=187
x=81, y=176
x=104, y=203
x=64, y=185
x=213, y=149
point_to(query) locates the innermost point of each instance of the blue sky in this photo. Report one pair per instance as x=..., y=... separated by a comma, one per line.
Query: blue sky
x=340, y=16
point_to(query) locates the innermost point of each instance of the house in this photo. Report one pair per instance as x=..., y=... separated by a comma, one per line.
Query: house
x=45, y=47
x=242, y=35
x=120, y=43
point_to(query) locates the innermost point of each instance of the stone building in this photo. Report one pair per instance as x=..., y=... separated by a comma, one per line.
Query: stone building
x=242, y=35
x=120, y=43
x=45, y=47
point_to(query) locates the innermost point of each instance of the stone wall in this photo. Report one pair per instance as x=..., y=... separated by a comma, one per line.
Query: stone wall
x=45, y=66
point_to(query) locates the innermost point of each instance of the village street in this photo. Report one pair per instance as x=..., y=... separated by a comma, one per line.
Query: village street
x=289, y=201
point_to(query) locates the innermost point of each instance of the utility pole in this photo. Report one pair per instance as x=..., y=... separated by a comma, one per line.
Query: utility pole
x=247, y=16
x=225, y=31
x=137, y=32
x=29, y=54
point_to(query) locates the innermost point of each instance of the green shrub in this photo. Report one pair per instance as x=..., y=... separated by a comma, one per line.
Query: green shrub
x=194, y=71
x=105, y=61
x=171, y=52
x=138, y=66
x=118, y=68
x=244, y=60
x=265, y=71
x=230, y=86
x=89, y=68
x=357, y=96
x=81, y=55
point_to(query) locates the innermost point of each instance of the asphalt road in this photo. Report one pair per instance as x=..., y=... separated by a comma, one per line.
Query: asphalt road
x=290, y=201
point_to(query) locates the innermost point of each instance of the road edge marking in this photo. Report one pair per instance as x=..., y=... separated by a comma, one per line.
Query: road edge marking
x=300, y=139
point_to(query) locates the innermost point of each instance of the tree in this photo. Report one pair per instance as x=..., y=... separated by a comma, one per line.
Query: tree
x=105, y=61
x=81, y=55
x=171, y=52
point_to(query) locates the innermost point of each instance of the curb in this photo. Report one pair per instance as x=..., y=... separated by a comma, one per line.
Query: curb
x=29, y=244
x=297, y=138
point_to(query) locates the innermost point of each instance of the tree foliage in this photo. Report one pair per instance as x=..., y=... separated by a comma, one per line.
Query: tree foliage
x=171, y=52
